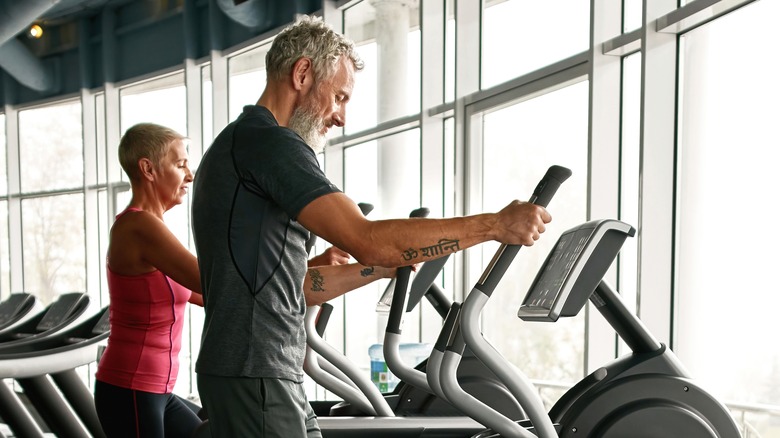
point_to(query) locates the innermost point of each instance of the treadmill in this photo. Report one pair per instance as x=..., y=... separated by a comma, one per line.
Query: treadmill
x=62, y=316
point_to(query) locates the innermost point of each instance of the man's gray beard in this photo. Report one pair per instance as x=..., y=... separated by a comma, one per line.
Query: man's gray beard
x=309, y=127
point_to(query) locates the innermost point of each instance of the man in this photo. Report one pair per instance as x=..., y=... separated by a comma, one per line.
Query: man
x=257, y=191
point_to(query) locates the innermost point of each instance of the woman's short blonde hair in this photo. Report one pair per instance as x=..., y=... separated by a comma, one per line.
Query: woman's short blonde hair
x=145, y=140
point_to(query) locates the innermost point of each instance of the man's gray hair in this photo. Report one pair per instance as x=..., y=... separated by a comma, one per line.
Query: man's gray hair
x=312, y=38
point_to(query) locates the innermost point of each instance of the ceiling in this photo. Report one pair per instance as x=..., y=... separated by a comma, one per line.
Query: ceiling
x=87, y=43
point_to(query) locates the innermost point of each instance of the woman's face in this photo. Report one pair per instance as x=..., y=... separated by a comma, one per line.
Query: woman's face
x=174, y=174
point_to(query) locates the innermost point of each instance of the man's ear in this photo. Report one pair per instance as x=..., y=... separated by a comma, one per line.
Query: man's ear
x=146, y=168
x=302, y=74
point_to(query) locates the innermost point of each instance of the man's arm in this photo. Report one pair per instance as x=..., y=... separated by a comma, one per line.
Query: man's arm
x=324, y=283
x=401, y=242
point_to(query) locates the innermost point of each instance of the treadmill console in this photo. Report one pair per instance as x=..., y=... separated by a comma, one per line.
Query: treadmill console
x=14, y=305
x=66, y=307
x=573, y=269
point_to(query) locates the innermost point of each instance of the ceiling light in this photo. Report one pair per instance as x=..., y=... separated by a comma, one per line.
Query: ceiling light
x=36, y=31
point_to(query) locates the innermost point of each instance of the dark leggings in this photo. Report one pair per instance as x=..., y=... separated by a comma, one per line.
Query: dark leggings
x=126, y=413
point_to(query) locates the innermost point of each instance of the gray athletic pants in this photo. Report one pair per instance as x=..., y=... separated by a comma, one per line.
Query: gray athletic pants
x=259, y=408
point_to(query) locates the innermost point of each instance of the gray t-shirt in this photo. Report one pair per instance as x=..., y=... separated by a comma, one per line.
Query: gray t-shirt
x=248, y=190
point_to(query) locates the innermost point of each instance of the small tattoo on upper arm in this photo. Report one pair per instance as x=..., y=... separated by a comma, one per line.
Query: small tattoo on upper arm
x=317, y=280
x=365, y=272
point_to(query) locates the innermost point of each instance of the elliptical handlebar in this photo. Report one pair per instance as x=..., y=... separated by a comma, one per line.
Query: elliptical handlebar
x=470, y=332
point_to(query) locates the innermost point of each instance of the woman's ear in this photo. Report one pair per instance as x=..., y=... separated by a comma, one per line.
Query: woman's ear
x=146, y=168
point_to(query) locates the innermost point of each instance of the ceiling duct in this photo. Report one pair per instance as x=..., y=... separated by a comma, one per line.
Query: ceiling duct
x=15, y=58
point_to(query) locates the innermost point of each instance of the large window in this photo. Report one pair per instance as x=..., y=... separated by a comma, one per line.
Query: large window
x=388, y=41
x=520, y=142
x=51, y=156
x=728, y=154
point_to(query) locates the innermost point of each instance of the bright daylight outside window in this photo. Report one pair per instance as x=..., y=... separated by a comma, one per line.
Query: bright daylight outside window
x=5, y=267
x=728, y=154
x=520, y=142
x=246, y=79
x=389, y=85
x=539, y=34
x=51, y=158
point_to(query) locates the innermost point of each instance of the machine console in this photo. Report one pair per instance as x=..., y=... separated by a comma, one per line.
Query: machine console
x=574, y=267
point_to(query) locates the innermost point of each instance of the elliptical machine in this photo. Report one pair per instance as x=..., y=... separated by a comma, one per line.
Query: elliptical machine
x=645, y=394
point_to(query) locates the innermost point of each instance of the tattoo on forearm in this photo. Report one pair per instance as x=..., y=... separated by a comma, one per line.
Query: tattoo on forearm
x=365, y=272
x=409, y=254
x=442, y=247
x=317, y=280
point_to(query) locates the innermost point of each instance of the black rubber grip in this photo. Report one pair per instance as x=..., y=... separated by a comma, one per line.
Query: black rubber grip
x=322, y=318
x=542, y=195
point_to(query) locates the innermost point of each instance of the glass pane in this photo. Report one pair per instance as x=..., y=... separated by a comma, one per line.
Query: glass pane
x=100, y=128
x=51, y=148
x=520, y=36
x=103, y=229
x=389, y=85
x=727, y=214
x=207, y=106
x=629, y=174
x=164, y=106
x=632, y=15
x=5, y=254
x=449, y=52
x=520, y=143
x=386, y=173
x=53, y=250
x=3, y=174
x=246, y=80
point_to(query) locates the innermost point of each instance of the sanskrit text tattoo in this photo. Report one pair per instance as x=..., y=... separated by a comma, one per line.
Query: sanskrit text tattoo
x=317, y=280
x=365, y=272
x=442, y=247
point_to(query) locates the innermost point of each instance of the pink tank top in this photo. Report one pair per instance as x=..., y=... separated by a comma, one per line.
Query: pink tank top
x=147, y=315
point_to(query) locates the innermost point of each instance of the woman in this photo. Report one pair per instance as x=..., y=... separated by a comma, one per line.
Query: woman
x=151, y=277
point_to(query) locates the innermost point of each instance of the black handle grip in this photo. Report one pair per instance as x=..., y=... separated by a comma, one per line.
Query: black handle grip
x=449, y=326
x=396, y=315
x=402, y=276
x=322, y=318
x=549, y=184
x=366, y=208
x=424, y=279
x=542, y=195
x=420, y=212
